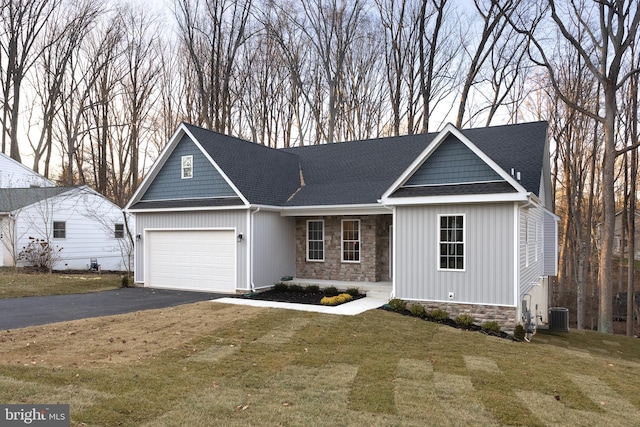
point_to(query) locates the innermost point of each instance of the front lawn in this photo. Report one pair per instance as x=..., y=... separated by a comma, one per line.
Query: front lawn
x=216, y=364
x=19, y=283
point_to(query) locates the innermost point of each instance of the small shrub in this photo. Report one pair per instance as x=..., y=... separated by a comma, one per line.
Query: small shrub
x=335, y=300
x=519, y=333
x=418, y=310
x=40, y=253
x=491, y=326
x=296, y=289
x=281, y=287
x=465, y=320
x=312, y=289
x=331, y=291
x=354, y=292
x=439, y=315
x=125, y=281
x=397, y=304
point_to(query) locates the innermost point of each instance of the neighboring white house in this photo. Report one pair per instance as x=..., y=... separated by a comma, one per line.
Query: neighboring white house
x=78, y=223
x=16, y=175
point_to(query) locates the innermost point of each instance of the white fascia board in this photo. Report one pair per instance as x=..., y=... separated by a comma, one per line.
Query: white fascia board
x=218, y=168
x=450, y=129
x=157, y=165
x=369, y=209
x=471, y=198
x=187, y=209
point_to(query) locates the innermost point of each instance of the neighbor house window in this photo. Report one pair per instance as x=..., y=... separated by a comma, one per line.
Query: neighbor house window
x=187, y=167
x=315, y=240
x=59, y=230
x=451, y=242
x=118, y=231
x=351, y=240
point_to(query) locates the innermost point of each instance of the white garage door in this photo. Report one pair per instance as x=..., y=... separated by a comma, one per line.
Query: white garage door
x=199, y=260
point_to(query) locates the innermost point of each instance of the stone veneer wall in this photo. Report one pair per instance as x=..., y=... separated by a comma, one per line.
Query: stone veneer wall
x=505, y=316
x=374, y=250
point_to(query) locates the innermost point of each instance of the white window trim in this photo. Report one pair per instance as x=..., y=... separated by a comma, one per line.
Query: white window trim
x=323, y=243
x=464, y=243
x=342, y=241
x=182, y=168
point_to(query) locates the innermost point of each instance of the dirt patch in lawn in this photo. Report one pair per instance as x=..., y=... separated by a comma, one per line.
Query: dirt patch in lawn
x=111, y=339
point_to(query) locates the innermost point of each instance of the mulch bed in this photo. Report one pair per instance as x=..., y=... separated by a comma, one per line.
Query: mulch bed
x=294, y=297
x=452, y=323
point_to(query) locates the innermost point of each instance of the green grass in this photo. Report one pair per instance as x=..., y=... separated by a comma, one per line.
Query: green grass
x=16, y=283
x=280, y=367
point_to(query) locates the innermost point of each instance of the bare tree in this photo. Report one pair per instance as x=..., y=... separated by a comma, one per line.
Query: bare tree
x=23, y=21
x=609, y=29
x=63, y=35
x=212, y=36
x=495, y=19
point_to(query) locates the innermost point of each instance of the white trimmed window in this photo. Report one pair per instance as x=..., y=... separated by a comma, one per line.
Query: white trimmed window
x=350, y=240
x=187, y=167
x=59, y=230
x=315, y=240
x=451, y=243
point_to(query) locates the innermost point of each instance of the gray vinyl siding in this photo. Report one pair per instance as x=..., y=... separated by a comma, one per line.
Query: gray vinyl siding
x=489, y=255
x=273, y=248
x=453, y=162
x=531, y=244
x=236, y=219
x=206, y=180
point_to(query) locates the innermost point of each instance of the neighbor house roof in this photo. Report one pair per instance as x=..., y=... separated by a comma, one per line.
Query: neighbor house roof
x=357, y=172
x=12, y=199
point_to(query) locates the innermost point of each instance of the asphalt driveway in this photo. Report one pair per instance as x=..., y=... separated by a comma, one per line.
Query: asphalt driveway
x=30, y=311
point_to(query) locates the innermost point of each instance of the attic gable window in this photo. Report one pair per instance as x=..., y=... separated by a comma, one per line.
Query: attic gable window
x=451, y=244
x=187, y=167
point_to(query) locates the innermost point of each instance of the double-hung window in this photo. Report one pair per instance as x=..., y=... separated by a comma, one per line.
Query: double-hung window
x=315, y=240
x=59, y=230
x=451, y=244
x=118, y=231
x=351, y=240
x=187, y=167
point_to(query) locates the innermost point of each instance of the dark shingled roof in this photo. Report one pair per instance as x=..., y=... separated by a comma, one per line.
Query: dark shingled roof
x=359, y=172
x=263, y=175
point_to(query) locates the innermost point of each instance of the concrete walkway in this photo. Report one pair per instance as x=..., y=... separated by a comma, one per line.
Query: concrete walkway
x=347, y=309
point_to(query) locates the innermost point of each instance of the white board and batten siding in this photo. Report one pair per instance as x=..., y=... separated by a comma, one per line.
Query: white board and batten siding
x=488, y=276
x=196, y=229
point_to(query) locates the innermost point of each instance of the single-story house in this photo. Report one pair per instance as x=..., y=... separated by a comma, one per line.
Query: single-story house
x=459, y=219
